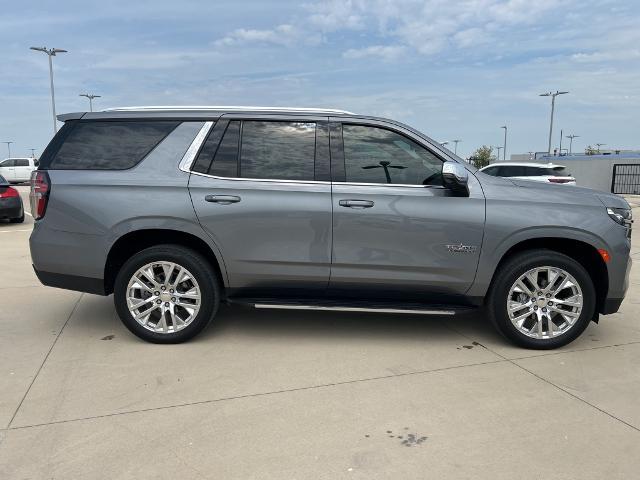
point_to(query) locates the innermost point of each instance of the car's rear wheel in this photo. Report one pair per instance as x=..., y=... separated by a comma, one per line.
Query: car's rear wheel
x=166, y=294
x=541, y=299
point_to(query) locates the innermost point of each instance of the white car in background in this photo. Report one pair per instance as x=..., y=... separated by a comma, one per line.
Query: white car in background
x=18, y=170
x=540, y=172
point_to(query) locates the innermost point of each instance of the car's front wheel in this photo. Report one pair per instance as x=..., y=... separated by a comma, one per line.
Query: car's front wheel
x=541, y=299
x=166, y=294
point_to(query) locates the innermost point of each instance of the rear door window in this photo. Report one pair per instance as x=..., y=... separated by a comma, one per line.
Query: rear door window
x=22, y=162
x=277, y=150
x=110, y=145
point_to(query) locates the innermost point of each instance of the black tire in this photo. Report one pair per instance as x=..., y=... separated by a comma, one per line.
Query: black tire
x=17, y=220
x=516, y=266
x=195, y=263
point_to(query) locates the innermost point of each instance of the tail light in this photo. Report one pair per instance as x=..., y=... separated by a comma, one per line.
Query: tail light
x=39, y=196
x=8, y=192
x=561, y=180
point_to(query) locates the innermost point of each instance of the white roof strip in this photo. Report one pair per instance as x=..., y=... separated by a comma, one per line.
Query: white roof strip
x=228, y=108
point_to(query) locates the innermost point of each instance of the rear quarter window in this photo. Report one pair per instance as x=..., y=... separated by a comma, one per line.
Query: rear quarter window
x=109, y=145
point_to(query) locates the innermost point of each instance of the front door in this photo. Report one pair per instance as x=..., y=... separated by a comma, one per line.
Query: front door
x=397, y=231
x=261, y=190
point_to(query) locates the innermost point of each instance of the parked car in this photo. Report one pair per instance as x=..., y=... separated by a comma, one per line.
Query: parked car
x=18, y=170
x=175, y=210
x=11, y=207
x=539, y=172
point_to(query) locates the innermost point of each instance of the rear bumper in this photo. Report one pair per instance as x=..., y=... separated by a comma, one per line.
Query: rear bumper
x=10, y=207
x=71, y=282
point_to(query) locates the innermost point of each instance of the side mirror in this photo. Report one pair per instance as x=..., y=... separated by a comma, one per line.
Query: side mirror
x=456, y=178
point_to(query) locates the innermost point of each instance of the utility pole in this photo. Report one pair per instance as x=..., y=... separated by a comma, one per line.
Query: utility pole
x=8, y=148
x=51, y=52
x=90, y=96
x=553, y=104
x=504, y=152
x=33, y=152
x=571, y=137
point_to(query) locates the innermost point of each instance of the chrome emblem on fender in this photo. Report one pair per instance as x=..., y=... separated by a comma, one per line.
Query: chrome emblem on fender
x=460, y=248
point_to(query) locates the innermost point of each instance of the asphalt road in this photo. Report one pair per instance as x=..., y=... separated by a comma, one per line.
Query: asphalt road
x=305, y=395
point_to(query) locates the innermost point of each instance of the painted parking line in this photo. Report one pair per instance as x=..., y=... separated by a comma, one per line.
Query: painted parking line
x=17, y=230
x=29, y=214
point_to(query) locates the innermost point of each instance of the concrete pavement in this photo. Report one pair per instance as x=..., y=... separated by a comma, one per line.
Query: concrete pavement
x=305, y=394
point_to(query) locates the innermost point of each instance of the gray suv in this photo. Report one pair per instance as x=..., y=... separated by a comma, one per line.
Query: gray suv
x=176, y=209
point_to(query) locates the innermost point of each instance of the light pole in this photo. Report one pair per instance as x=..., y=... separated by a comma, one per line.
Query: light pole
x=498, y=156
x=90, y=96
x=33, y=152
x=553, y=103
x=504, y=152
x=455, y=148
x=8, y=147
x=571, y=137
x=599, y=145
x=51, y=52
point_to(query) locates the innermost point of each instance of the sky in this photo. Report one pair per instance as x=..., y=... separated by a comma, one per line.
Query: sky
x=452, y=69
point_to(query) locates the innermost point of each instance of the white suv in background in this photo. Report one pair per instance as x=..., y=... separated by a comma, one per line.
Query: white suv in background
x=17, y=170
x=540, y=172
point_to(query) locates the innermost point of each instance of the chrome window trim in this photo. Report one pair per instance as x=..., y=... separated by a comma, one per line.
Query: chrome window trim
x=190, y=155
x=384, y=185
x=260, y=179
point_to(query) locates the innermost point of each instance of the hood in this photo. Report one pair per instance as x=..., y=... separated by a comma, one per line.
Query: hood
x=571, y=194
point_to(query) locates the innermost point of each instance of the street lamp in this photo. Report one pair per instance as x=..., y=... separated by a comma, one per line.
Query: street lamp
x=90, y=96
x=599, y=145
x=504, y=152
x=33, y=152
x=498, y=156
x=571, y=137
x=8, y=147
x=553, y=103
x=51, y=52
x=455, y=148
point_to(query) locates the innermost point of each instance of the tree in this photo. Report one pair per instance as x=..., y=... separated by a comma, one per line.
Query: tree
x=590, y=150
x=482, y=157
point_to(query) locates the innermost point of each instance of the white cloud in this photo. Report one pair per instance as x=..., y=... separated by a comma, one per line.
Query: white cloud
x=383, y=52
x=284, y=34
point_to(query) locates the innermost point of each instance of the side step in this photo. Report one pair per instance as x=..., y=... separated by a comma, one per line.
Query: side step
x=350, y=306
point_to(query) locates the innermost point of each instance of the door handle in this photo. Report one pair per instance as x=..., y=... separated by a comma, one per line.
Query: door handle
x=356, y=203
x=222, y=199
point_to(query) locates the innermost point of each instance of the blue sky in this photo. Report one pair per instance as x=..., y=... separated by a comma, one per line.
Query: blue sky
x=453, y=69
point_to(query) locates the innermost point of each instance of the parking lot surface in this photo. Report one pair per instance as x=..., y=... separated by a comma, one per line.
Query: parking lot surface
x=305, y=395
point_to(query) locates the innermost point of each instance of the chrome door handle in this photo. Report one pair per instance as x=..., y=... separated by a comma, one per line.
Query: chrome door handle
x=356, y=203
x=222, y=199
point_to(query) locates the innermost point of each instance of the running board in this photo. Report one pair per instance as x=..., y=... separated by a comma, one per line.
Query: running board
x=362, y=307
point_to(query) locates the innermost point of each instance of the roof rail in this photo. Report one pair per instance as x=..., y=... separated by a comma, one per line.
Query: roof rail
x=235, y=108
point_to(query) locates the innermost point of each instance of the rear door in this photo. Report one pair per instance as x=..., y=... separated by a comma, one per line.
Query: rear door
x=261, y=189
x=8, y=170
x=397, y=231
x=22, y=170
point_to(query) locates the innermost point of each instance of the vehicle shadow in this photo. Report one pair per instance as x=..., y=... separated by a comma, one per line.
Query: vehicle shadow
x=341, y=325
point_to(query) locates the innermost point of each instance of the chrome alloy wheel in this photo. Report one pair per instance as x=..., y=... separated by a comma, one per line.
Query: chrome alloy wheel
x=544, y=302
x=163, y=297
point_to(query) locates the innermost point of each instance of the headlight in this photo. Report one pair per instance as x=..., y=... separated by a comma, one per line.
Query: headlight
x=622, y=216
